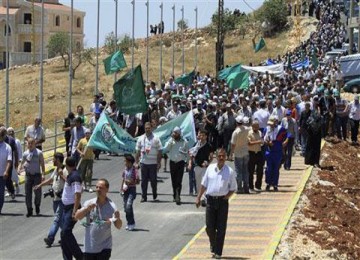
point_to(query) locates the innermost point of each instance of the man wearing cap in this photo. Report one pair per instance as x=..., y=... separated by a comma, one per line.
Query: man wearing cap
x=354, y=117
x=148, y=157
x=275, y=139
x=36, y=132
x=239, y=148
x=227, y=125
x=290, y=125
x=341, y=116
x=86, y=161
x=177, y=149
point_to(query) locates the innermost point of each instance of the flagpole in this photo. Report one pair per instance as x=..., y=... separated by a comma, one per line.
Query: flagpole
x=161, y=43
x=133, y=34
x=173, y=43
x=7, y=110
x=41, y=81
x=70, y=55
x=182, y=39
x=196, y=42
x=97, y=48
x=116, y=32
x=147, y=40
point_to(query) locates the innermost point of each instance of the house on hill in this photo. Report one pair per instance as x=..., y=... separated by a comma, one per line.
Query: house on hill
x=24, y=28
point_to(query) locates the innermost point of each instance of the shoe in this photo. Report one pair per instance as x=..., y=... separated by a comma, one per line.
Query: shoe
x=155, y=198
x=203, y=203
x=7, y=194
x=258, y=189
x=13, y=196
x=127, y=227
x=143, y=200
x=131, y=227
x=91, y=190
x=37, y=210
x=216, y=256
x=29, y=212
x=267, y=188
x=276, y=188
x=48, y=242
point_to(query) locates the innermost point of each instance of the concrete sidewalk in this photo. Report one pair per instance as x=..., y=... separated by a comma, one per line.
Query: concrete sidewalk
x=256, y=221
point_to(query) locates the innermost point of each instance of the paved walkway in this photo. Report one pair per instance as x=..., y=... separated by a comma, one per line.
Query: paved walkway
x=256, y=221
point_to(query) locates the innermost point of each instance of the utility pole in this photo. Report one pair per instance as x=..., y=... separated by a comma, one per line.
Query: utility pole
x=116, y=32
x=196, y=41
x=147, y=41
x=351, y=28
x=161, y=42
x=33, y=32
x=220, y=38
x=41, y=81
x=173, y=43
x=97, y=49
x=133, y=35
x=7, y=63
x=70, y=55
x=182, y=39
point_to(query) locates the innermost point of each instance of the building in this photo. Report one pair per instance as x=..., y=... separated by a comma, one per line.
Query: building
x=24, y=29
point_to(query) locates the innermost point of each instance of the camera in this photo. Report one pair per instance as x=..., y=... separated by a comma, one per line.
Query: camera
x=50, y=193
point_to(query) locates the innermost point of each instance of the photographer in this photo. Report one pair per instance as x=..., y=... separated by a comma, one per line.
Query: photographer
x=57, y=179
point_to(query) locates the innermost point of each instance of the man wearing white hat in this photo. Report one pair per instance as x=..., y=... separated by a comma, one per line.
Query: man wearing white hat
x=240, y=150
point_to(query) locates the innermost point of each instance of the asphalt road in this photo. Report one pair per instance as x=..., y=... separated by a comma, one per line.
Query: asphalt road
x=162, y=228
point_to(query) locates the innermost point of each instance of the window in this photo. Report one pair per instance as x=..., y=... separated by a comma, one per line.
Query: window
x=27, y=46
x=57, y=20
x=27, y=18
x=9, y=30
x=78, y=22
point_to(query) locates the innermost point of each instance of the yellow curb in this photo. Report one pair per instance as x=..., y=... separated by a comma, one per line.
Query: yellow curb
x=192, y=241
x=270, y=251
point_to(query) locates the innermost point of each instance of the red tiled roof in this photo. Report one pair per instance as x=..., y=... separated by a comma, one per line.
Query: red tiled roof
x=11, y=10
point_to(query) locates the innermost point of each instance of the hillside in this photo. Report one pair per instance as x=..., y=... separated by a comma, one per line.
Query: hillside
x=24, y=81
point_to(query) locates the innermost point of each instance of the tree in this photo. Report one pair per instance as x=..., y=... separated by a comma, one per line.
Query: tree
x=110, y=43
x=123, y=42
x=59, y=45
x=231, y=20
x=273, y=13
x=182, y=24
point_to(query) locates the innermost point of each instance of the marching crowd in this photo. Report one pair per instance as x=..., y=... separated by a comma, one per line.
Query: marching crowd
x=258, y=128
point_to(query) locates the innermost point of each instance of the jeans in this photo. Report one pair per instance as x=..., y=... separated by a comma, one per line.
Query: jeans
x=2, y=192
x=58, y=210
x=69, y=245
x=256, y=159
x=192, y=181
x=341, y=127
x=216, y=220
x=129, y=197
x=288, y=153
x=149, y=173
x=30, y=182
x=177, y=173
x=105, y=254
x=242, y=173
x=354, y=124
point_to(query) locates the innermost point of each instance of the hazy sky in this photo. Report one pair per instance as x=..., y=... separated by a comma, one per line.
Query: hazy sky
x=107, y=15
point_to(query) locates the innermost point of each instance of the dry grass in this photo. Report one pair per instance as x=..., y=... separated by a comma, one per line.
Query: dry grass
x=24, y=81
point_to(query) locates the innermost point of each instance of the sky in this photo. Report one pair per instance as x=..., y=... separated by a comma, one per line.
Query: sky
x=206, y=9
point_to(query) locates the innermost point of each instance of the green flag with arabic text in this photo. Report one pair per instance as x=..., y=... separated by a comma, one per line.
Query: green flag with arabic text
x=114, y=63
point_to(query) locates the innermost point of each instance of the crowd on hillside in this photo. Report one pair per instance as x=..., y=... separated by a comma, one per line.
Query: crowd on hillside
x=258, y=128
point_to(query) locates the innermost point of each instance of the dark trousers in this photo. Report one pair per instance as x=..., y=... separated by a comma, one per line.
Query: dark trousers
x=69, y=245
x=105, y=254
x=177, y=173
x=273, y=163
x=216, y=220
x=354, y=124
x=256, y=160
x=192, y=181
x=148, y=173
x=2, y=192
x=288, y=153
x=67, y=142
x=341, y=127
x=129, y=197
x=9, y=183
x=227, y=139
x=31, y=180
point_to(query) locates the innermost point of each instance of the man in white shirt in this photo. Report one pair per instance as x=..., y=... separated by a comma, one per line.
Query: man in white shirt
x=5, y=163
x=354, y=117
x=148, y=157
x=36, y=132
x=219, y=183
x=261, y=115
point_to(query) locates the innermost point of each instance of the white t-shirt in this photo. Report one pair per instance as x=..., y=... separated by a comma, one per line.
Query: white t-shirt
x=149, y=148
x=5, y=156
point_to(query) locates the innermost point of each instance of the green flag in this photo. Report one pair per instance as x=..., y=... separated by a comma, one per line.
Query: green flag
x=114, y=63
x=185, y=79
x=224, y=73
x=261, y=44
x=314, y=60
x=129, y=92
x=238, y=80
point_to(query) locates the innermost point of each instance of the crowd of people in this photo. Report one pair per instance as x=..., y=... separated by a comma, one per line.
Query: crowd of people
x=258, y=128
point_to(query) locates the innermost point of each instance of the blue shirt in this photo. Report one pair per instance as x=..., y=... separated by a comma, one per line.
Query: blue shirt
x=219, y=182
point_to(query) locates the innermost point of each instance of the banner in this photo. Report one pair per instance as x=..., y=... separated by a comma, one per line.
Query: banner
x=129, y=92
x=108, y=136
x=114, y=63
x=224, y=73
x=277, y=69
